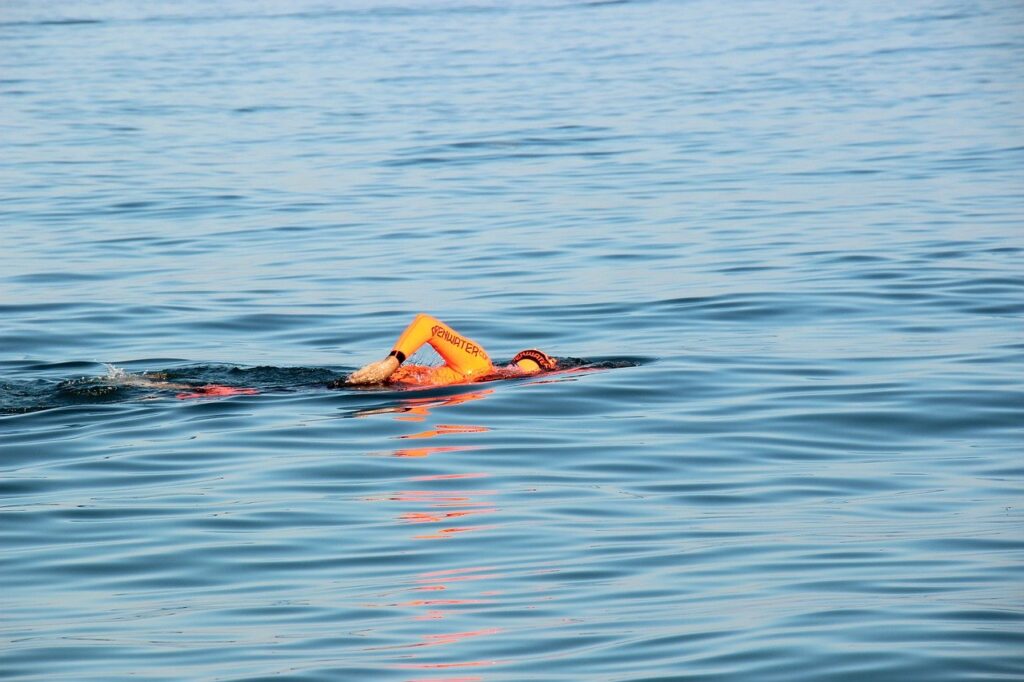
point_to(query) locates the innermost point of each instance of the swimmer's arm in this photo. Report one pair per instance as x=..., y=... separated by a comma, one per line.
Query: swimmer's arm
x=415, y=335
x=375, y=372
x=460, y=353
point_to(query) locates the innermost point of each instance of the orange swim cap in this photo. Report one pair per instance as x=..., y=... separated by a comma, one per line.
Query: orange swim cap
x=533, y=360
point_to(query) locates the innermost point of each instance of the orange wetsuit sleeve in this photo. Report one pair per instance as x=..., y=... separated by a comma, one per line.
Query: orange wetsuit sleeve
x=461, y=354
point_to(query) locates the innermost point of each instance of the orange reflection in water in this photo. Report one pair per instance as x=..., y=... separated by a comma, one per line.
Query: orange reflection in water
x=426, y=452
x=442, y=507
x=445, y=506
x=446, y=429
x=451, y=592
x=418, y=409
x=451, y=580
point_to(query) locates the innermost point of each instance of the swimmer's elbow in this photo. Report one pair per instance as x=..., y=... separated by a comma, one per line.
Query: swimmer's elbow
x=423, y=317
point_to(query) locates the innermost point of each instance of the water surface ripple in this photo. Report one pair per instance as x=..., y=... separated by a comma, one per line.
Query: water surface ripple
x=785, y=237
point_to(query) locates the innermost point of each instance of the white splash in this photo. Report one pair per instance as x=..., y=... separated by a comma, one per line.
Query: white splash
x=120, y=377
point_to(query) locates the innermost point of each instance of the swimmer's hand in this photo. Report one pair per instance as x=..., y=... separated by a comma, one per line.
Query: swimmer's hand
x=375, y=372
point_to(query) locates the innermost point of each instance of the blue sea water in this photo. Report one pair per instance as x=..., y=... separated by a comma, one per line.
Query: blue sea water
x=789, y=234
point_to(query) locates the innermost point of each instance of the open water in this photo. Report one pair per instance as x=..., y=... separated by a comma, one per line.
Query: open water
x=789, y=235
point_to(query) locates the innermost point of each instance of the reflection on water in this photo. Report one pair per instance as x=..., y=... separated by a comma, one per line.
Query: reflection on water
x=435, y=596
x=461, y=588
x=424, y=452
x=417, y=409
x=444, y=506
x=447, y=513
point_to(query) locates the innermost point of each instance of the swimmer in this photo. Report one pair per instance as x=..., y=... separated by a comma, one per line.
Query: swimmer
x=465, y=360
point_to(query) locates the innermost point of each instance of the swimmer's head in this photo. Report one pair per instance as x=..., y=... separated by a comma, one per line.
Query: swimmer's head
x=533, y=360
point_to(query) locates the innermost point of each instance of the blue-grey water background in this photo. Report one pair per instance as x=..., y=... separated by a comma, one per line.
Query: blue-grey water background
x=797, y=226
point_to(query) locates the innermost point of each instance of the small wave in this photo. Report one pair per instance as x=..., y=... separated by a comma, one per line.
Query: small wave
x=57, y=278
x=51, y=22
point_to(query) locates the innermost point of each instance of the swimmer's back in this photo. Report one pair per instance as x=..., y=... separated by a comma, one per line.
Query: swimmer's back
x=422, y=375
